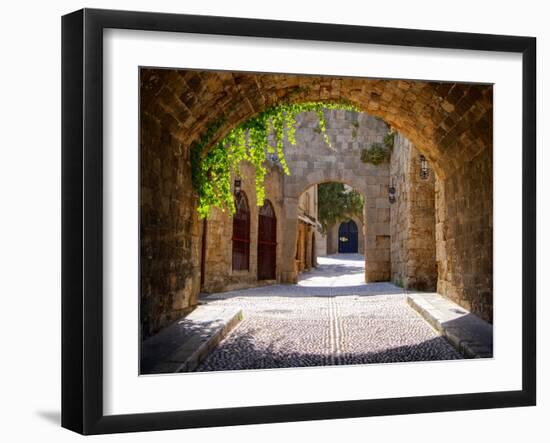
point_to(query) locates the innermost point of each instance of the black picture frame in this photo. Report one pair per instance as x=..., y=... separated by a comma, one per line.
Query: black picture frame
x=82, y=218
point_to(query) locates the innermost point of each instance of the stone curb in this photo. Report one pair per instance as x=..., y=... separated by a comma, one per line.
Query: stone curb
x=202, y=351
x=471, y=340
x=196, y=348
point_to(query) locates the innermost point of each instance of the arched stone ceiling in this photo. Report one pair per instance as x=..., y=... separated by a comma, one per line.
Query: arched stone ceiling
x=450, y=123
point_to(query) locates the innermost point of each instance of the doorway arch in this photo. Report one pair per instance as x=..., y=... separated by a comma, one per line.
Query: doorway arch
x=267, y=242
x=348, y=238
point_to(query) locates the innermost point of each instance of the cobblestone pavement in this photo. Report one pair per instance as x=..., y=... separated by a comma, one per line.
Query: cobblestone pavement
x=330, y=318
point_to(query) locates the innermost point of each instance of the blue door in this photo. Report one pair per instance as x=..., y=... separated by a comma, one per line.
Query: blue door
x=347, y=237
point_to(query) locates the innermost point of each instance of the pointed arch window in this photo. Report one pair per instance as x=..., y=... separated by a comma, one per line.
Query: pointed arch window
x=241, y=233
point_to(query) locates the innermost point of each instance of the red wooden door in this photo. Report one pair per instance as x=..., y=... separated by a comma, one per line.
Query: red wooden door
x=241, y=234
x=267, y=242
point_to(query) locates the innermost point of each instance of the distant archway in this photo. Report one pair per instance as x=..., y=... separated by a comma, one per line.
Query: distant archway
x=348, y=238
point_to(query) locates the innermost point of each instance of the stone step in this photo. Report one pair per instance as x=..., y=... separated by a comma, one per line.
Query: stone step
x=181, y=346
x=468, y=333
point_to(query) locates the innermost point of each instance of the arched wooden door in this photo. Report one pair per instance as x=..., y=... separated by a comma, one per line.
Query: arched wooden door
x=267, y=242
x=347, y=237
x=241, y=233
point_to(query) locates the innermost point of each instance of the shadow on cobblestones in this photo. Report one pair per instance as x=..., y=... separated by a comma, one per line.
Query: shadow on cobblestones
x=160, y=347
x=241, y=352
x=331, y=317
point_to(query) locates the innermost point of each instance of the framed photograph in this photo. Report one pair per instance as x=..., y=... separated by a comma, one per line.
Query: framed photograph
x=269, y=221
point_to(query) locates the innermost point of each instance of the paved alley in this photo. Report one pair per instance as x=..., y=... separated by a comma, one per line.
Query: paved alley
x=331, y=317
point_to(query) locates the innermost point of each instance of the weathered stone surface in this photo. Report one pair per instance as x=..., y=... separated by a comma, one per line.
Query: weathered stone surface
x=188, y=101
x=464, y=235
x=413, y=261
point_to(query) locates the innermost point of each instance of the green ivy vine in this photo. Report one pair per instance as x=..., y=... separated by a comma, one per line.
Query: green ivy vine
x=257, y=140
x=337, y=202
x=378, y=153
x=389, y=139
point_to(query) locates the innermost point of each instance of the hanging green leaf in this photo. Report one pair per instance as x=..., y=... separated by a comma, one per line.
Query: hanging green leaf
x=213, y=168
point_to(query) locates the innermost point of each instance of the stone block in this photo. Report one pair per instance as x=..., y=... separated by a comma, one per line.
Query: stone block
x=382, y=203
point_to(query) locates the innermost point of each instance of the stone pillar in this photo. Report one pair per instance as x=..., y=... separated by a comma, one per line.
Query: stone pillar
x=377, y=229
x=412, y=220
x=290, y=228
x=421, y=263
x=320, y=244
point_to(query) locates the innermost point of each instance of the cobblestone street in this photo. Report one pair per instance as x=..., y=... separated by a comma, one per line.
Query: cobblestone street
x=331, y=317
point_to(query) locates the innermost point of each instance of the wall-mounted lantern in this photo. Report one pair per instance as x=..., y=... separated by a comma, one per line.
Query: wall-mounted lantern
x=237, y=186
x=391, y=193
x=424, y=171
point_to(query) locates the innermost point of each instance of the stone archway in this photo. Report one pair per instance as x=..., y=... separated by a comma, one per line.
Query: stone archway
x=375, y=221
x=312, y=162
x=449, y=123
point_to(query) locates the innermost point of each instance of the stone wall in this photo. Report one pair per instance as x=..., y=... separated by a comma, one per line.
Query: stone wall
x=320, y=244
x=413, y=262
x=219, y=274
x=169, y=227
x=464, y=235
x=307, y=202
